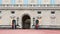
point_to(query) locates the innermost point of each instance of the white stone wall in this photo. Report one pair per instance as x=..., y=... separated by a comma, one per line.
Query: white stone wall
x=45, y=17
x=45, y=14
x=57, y=17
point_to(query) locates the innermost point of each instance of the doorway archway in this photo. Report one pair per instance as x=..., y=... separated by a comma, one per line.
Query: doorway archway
x=26, y=20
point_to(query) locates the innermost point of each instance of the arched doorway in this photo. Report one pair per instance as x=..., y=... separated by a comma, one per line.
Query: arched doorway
x=26, y=20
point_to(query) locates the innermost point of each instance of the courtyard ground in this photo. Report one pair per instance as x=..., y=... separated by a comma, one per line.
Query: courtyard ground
x=28, y=31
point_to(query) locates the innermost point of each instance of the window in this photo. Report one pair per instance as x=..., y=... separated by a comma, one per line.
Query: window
x=39, y=12
x=53, y=12
x=12, y=12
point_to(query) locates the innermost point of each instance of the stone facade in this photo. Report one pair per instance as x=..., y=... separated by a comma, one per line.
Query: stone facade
x=47, y=14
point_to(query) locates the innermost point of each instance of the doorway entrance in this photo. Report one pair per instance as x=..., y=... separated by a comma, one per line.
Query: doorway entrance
x=26, y=20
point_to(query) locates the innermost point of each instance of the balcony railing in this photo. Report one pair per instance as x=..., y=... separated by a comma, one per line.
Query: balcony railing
x=29, y=5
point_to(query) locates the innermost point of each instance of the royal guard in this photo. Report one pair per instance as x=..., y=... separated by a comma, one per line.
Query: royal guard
x=36, y=26
x=13, y=24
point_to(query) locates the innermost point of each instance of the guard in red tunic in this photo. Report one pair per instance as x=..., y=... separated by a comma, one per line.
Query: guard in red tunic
x=13, y=24
x=36, y=26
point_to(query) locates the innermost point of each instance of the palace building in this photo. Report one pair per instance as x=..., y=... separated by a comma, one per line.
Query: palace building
x=27, y=13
